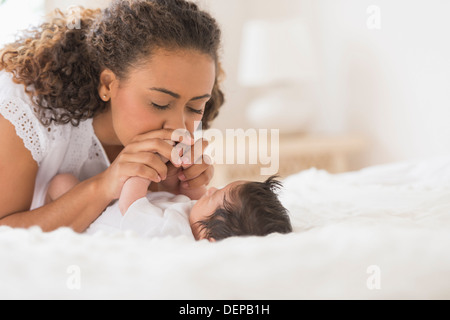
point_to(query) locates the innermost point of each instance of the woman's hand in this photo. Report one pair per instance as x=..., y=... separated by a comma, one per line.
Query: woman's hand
x=194, y=174
x=140, y=158
x=171, y=183
x=196, y=171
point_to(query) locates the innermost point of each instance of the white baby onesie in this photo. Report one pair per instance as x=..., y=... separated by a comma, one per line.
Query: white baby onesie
x=160, y=214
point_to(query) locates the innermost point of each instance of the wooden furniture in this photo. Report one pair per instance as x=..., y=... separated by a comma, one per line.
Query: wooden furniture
x=298, y=152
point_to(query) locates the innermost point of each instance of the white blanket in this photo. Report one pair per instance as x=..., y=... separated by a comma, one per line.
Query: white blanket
x=380, y=233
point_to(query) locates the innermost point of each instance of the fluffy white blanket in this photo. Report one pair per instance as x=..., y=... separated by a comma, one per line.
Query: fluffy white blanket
x=379, y=233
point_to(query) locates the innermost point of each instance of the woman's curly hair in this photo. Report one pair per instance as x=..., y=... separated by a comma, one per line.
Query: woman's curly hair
x=59, y=63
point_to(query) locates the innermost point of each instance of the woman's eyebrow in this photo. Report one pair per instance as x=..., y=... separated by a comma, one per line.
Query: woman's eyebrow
x=201, y=97
x=177, y=96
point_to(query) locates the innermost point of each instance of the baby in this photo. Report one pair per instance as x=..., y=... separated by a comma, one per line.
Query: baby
x=242, y=208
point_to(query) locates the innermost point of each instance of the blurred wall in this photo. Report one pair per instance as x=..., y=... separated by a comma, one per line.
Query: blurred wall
x=389, y=82
x=392, y=83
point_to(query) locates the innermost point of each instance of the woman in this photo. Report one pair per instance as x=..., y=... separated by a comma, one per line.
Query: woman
x=98, y=102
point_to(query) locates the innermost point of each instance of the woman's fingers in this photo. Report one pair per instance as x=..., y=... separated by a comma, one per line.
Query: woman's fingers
x=197, y=170
x=149, y=159
x=146, y=155
x=142, y=157
x=179, y=135
x=150, y=146
x=125, y=170
x=163, y=134
x=196, y=176
x=195, y=154
x=164, y=142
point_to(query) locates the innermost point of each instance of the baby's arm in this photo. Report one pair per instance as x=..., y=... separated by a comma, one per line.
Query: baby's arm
x=133, y=189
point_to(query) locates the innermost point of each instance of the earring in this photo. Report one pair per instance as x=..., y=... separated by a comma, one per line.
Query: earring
x=105, y=97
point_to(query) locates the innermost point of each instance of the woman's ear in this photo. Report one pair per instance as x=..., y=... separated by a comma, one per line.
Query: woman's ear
x=106, y=88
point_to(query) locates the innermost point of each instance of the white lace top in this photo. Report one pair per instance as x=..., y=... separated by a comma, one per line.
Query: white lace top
x=56, y=148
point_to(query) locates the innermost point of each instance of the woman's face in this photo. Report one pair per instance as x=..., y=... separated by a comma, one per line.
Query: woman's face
x=170, y=91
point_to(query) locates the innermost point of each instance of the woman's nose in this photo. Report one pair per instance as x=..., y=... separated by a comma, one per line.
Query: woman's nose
x=175, y=121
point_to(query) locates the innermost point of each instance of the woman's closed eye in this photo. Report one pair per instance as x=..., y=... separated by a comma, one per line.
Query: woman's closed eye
x=160, y=107
x=165, y=107
x=197, y=111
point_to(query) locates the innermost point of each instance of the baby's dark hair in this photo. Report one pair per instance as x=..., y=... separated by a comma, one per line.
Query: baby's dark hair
x=252, y=209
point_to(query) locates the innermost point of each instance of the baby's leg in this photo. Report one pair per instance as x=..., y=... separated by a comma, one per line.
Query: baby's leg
x=60, y=185
x=134, y=188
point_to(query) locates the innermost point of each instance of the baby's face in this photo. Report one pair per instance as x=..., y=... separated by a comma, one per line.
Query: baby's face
x=206, y=205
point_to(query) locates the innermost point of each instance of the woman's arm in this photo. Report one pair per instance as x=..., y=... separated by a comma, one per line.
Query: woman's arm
x=18, y=171
x=76, y=209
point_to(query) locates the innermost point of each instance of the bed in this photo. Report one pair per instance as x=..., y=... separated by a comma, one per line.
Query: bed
x=379, y=233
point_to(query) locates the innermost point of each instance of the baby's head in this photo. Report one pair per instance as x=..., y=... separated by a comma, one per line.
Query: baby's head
x=242, y=208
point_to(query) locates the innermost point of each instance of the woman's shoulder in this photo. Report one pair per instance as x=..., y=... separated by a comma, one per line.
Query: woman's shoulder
x=10, y=88
x=16, y=107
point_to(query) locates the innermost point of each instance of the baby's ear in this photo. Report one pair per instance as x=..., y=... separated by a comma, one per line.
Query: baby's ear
x=211, y=240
